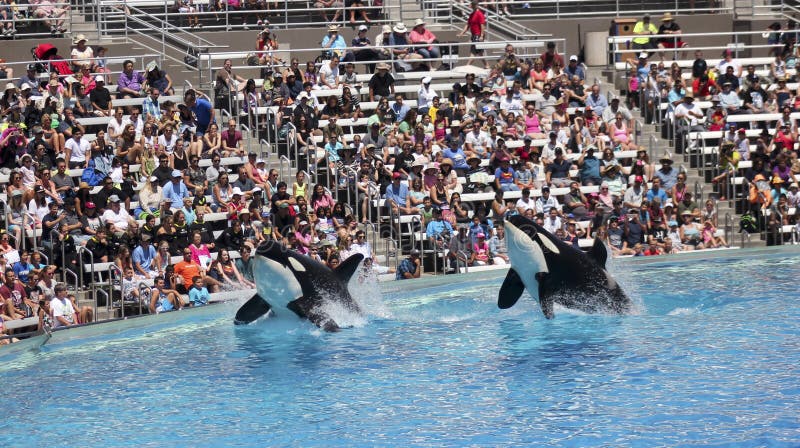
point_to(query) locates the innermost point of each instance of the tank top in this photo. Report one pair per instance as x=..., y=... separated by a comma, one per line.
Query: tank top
x=164, y=303
x=532, y=124
x=299, y=190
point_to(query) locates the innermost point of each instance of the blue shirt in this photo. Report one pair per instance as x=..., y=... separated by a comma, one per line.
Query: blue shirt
x=405, y=266
x=400, y=111
x=144, y=259
x=175, y=193
x=338, y=44
x=202, y=110
x=436, y=227
x=22, y=271
x=199, y=297
x=457, y=156
x=505, y=176
x=598, y=104
x=661, y=194
x=399, y=195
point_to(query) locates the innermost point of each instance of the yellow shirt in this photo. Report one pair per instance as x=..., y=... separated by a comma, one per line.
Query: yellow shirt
x=640, y=28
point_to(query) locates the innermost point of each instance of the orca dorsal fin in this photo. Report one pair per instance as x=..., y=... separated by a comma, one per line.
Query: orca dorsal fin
x=598, y=253
x=510, y=291
x=348, y=267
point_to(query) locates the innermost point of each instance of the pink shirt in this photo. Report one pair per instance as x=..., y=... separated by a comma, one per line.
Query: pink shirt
x=425, y=37
x=198, y=251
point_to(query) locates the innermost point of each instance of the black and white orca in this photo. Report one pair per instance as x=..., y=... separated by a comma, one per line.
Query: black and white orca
x=288, y=281
x=555, y=272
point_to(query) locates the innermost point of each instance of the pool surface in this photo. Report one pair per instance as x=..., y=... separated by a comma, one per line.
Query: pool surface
x=711, y=357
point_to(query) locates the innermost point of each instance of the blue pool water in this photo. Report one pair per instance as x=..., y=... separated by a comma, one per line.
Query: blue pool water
x=712, y=357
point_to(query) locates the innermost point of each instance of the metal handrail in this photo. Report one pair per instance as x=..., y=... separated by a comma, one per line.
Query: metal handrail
x=33, y=230
x=466, y=261
x=114, y=269
x=67, y=272
x=20, y=66
x=288, y=162
x=728, y=227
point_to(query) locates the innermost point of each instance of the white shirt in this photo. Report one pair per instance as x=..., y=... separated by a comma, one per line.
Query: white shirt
x=478, y=142
x=78, y=149
x=169, y=146
x=514, y=105
x=522, y=205
x=115, y=128
x=119, y=220
x=682, y=111
x=552, y=224
x=61, y=309
x=425, y=97
x=328, y=75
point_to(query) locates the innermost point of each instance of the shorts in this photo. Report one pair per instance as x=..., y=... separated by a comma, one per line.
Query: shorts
x=473, y=49
x=673, y=44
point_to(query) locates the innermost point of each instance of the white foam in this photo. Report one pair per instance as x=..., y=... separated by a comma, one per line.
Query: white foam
x=682, y=311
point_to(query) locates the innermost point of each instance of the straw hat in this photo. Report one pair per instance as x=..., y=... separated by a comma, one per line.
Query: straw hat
x=78, y=39
x=382, y=66
x=667, y=17
x=333, y=28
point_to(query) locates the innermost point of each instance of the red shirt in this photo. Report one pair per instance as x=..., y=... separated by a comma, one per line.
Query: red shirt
x=476, y=19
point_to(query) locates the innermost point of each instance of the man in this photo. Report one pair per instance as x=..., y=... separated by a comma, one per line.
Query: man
x=633, y=196
x=52, y=95
x=546, y=202
x=116, y=216
x=130, y=82
x=381, y=84
x=498, y=248
x=329, y=74
x=656, y=191
x=163, y=299
x=397, y=196
x=477, y=142
x=667, y=174
x=643, y=30
x=510, y=103
x=476, y=25
x=100, y=98
x=525, y=202
x=232, y=141
x=615, y=106
x=424, y=41
x=460, y=248
x=688, y=116
x=553, y=222
x=143, y=256
x=688, y=205
x=699, y=66
x=546, y=104
x=729, y=100
x=505, y=177
x=438, y=230
x=589, y=167
x=411, y=267
x=61, y=308
x=367, y=52
x=400, y=110
x=557, y=172
x=575, y=202
x=550, y=57
x=669, y=26
x=575, y=92
x=728, y=60
x=573, y=69
x=150, y=106
x=51, y=225
x=175, y=191
x=730, y=78
x=64, y=183
x=599, y=102
x=77, y=150
x=634, y=230
x=202, y=110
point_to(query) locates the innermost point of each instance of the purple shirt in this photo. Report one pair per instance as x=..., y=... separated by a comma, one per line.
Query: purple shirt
x=133, y=82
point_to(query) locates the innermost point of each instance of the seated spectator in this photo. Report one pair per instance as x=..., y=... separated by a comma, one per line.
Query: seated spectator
x=460, y=252
x=425, y=40
x=226, y=271
x=117, y=216
x=410, y=267
x=198, y=293
x=131, y=82
x=163, y=299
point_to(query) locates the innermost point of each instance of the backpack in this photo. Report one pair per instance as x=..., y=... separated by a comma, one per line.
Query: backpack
x=92, y=176
x=747, y=223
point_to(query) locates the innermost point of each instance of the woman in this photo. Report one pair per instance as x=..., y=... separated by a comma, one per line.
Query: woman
x=223, y=192
x=157, y=79
x=324, y=224
x=16, y=216
x=620, y=134
x=690, y=232
x=300, y=186
x=266, y=44
x=115, y=127
x=499, y=208
x=200, y=252
x=560, y=113
x=457, y=212
x=227, y=273
x=162, y=259
x=439, y=194
x=416, y=195
x=129, y=149
x=211, y=143
x=532, y=128
x=679, y=189
x=304, y=137
x=310, y=75
x=407, y=125
x=15, y=184
x=123, y=260
x=338, y=215
x=178, y=158
x=38, y=206
x=331, y=108
x=166, y=231
x=538, y=76
x=304, y=237
x=53, y=138
x=319, y=198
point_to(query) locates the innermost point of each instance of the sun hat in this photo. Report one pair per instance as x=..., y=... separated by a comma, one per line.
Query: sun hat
x=382, y=66
x=419, y=22
x=400, y=28
x=333, y=28
x=78, y=39
x=363, y=28
x=386, y=29
x=667, y=17
x=426, y=80
x=176, y=173
x=113, y=199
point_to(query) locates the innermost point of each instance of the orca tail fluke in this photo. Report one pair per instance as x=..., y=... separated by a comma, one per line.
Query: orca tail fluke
x=251, y=310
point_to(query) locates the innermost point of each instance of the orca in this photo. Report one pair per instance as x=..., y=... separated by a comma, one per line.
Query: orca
x=556, y=272
x=288, y=281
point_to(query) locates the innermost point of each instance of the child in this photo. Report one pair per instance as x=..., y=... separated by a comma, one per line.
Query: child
x=709, y=240
x=163, y=299
x=130, y=292
x=198, y=293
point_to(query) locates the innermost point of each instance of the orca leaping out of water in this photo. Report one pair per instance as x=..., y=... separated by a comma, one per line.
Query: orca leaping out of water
x=286, y=280
x=554, y=271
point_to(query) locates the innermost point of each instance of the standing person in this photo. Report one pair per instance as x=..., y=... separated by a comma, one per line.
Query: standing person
x=476, y=25
x=643, y=30
x=201, y=108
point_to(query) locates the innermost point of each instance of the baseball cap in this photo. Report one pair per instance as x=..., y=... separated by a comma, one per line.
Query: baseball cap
x=396, y=175
x=176, y=173
x=638, y=179
x=90, y=205
x=113, y=198
x=99, y=78
x=363, y=28
x=573, y=58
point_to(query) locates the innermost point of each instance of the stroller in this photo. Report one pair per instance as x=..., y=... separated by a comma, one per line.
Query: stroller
x=49, y=60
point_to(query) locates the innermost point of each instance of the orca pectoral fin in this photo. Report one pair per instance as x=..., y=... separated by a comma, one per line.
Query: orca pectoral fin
x=510, y=291
x=545, y=301
x=251, y=310
x=348, y=267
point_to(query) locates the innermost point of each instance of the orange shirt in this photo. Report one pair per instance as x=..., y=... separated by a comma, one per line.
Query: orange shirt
x=188, y=270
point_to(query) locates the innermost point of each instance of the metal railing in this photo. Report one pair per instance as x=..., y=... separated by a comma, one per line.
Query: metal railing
x=562, y=9
x=288, y=14
x=25, y=15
